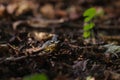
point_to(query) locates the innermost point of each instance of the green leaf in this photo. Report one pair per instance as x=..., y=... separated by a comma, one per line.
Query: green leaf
x=88, y=26
x=89, y=14
x=87, y=19
x=86, y=34
x=36, y=77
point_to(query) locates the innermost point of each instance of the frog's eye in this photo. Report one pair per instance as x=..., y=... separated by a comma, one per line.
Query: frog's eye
x=52, y=41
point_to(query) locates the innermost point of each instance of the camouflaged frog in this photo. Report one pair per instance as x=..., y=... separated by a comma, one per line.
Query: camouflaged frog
x=50, y=45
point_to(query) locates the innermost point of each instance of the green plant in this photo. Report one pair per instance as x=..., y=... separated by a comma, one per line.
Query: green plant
x=89, y=14
x=36, y=77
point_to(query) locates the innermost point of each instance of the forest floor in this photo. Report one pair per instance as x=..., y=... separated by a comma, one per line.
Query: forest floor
x=46, y=36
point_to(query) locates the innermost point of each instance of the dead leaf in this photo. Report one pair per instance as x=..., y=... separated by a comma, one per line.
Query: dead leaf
x=25, y=6
x=60, y=13
x=11, y=8
x=41, y=35
x=72, y=12
x=2, y=9
x=48, y=11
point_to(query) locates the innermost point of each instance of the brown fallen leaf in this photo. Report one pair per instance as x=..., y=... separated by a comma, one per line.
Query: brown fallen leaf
x=48, y=11
x=72, y=12
x=22, y=8
x=61, y=13
x=41, y=35
x=2, y=9
x=11, y=8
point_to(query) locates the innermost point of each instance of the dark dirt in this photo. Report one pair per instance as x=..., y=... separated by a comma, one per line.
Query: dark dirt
x=25, y=32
